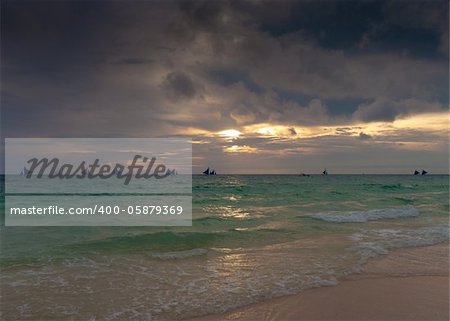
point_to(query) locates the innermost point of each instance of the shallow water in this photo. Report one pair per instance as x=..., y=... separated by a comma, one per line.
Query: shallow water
x=253, y=237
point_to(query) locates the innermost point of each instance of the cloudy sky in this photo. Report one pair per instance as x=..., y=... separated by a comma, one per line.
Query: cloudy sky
x=261, y=87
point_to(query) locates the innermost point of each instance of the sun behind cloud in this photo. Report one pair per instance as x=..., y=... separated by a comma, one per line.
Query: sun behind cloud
x=240, y=149
x=230, y=134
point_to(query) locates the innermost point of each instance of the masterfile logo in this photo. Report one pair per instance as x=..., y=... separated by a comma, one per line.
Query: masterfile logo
x=98, y=181
x=84, y=170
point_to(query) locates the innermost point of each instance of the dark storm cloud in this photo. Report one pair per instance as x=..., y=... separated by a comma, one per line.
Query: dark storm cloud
x=377, y=111
x=298, y=62
x=179, y=85
x=134, y=61
x=389, y=110
x=428, y=18
x=203, y=14
x=230, y=76
x=155, y=68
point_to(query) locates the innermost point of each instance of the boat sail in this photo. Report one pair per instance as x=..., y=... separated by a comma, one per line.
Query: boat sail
x=209, y=172
x=416, y=172
x=171, y=172
x=424, y=172
x=24, y=172
x=325, y=172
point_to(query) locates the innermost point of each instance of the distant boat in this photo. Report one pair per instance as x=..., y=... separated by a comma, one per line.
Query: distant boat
x=209, y=172
x=416, y=172
x=171, y=172
x=424, y=172
x=24, y=172
x=303, y=174
x=325, y=172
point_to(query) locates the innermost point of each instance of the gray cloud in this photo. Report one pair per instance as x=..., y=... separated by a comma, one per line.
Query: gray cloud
x=364, y=136
x=428, y=15
x=76, y=68
x=206, y=15
x=389, y=110
x=178, y=85
x=134, y=61
x=222, y=36
x=377, y=111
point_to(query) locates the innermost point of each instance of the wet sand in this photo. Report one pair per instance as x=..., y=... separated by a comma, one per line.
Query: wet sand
x=417, y=289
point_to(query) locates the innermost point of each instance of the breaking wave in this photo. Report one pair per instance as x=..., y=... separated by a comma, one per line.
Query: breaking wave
x=370, y=215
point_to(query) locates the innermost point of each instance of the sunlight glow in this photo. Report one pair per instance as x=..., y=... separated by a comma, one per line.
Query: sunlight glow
x=405, y=133
x=240, y=149
x=271, y=130
x=230, y=133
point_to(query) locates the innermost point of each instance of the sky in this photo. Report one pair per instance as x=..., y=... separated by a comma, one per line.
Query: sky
x=259, y=86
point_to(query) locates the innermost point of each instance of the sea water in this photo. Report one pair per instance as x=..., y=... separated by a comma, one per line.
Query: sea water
x=253, y=237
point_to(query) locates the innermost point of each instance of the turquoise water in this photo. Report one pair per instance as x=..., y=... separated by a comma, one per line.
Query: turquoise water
x=253, y=237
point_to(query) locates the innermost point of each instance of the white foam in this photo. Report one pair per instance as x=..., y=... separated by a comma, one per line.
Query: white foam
x=179, y=254
x=412, y=237
x=370, y=215
x=356, y=237
x=367, y=250
x=318, y=282
x=378, y=242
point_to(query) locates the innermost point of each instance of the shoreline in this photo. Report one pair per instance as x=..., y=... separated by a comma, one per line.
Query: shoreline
x=415, y=290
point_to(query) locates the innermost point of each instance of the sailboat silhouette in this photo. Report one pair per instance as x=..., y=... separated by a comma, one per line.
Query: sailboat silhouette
x=171, y=172
x=209, y=172
x=24, y=172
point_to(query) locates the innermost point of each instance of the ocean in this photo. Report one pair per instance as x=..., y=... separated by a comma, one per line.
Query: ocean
x=253, y=237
